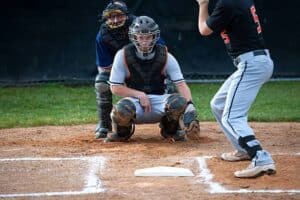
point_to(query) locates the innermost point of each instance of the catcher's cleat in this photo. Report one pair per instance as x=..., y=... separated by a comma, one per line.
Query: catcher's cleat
x=122, y=135
x=253, y=171
x=114, y=137
x=101, y=133
x=179, y=136
x=235, y=156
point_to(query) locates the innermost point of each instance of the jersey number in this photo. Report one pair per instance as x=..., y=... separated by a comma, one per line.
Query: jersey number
x=255, y=18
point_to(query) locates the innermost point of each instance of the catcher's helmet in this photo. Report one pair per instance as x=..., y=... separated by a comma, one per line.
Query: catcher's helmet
x=144, y=33
x=115, y=14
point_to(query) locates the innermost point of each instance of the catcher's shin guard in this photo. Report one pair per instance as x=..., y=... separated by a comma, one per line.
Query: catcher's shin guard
x=169, y=123
x=104, y=104
x=123, y=116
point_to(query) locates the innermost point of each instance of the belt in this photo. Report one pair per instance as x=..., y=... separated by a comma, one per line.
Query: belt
x=258, y=52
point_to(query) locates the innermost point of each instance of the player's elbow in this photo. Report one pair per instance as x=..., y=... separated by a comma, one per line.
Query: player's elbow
x=114, y=89
x=204, y=29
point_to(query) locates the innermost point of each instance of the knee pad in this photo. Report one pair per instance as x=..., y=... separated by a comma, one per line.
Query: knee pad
x=123, y=112
x=175, y=106
x=104, y=95
x=101, y=85
x=250, y=144
x=123, y=116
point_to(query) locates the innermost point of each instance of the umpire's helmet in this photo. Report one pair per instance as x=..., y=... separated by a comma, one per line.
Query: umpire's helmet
x=144, y=33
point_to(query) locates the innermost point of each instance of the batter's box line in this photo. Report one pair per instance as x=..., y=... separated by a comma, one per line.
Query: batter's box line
x=216, y=188
x=92, y=182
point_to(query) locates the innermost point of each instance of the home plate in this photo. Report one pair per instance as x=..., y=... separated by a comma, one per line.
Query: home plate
x=163, y=171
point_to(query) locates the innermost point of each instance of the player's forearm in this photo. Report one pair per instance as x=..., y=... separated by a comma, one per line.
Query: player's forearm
x=203, y=15
x=184, y=90
x=124, y=91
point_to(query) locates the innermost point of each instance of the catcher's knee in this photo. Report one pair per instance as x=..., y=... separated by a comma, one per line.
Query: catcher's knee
x=123, y=116
x=123, y=112
x=175, y=106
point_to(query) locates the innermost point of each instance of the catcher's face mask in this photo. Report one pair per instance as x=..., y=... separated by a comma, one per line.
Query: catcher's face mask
x=144, y=33
x=145, y=42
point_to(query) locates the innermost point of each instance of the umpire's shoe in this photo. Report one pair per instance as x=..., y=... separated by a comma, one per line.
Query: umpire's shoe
x=235, y=156
x=101, y=130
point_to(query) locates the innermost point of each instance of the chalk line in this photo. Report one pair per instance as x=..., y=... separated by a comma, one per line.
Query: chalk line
x=215, y=187
x=92, y=182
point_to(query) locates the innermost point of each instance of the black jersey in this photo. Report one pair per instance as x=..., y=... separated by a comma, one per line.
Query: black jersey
x=238, y=24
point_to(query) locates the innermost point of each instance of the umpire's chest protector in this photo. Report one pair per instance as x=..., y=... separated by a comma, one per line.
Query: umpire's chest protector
x=146, y=75
x=114, y=39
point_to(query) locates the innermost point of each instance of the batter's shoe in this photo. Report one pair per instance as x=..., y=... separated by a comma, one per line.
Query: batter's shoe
x=235, y=156
x=253, y=171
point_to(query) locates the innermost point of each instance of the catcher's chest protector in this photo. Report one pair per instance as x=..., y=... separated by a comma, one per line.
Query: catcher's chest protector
x=146, y=76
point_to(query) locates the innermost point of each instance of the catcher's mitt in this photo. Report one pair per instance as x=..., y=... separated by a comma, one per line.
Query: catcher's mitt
x=190, y=123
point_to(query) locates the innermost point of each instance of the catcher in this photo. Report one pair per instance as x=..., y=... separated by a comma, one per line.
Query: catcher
x=138, y=73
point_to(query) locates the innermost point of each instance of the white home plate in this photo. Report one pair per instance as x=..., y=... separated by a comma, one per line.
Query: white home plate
x=163, y=171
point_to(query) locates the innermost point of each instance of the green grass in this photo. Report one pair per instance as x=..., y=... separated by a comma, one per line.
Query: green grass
x=56, y=104
x=276, y=101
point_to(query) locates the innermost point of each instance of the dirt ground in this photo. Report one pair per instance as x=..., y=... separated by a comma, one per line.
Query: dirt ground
x=145, y=149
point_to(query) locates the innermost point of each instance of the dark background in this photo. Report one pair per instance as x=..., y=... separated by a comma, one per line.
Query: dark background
x=55, y=40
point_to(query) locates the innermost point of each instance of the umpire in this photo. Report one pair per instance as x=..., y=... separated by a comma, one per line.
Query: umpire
x=239, y=26
x=112, y=36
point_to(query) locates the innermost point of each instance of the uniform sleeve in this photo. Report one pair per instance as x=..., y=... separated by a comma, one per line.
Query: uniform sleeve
x=221, y=16
x=173, y=69
x=118, y=71
x=103, y=56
